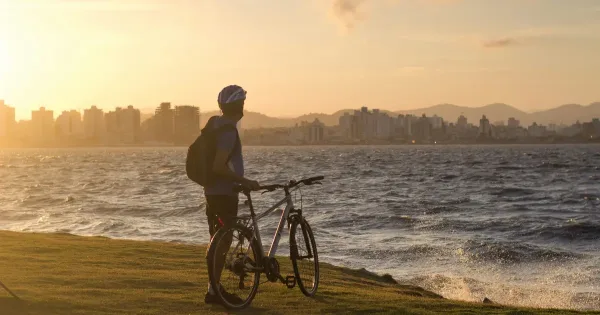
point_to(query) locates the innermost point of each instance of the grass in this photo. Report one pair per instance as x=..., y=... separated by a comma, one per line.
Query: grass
x=66, y=274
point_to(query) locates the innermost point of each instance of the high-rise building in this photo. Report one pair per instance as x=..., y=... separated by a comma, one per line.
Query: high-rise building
x=462, y=122
x=93, y=124
x=513, y=123
x=422, y=128
x=7, y=121
x=123, y=126
x=436, y=122
x=187, y=124
x=485, y=129
x=383, y=125
x=316, y=131
x=536, y=130
x=42, y=126
x=69, y=126
x=164, y=123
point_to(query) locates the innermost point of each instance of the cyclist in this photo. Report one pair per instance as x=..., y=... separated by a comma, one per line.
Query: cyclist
x=228, y=168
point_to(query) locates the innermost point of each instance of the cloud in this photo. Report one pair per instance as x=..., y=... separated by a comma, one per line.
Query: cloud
x=545, y=35
x=351, y=12
x=348, y=11
x=500, y=43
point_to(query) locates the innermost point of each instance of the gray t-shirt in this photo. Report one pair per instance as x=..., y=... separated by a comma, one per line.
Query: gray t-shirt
x=227, y=141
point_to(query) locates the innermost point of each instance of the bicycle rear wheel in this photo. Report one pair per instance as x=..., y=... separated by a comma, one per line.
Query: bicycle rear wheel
x=304, y=256
x=233, y=269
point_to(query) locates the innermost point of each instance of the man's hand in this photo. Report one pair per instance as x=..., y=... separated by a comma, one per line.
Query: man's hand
x=251, y=184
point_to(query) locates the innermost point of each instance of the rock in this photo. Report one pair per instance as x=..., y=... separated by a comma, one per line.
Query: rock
x=388, y=278
x=487, y=301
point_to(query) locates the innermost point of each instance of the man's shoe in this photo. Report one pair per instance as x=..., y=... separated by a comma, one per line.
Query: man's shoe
x=211, y=299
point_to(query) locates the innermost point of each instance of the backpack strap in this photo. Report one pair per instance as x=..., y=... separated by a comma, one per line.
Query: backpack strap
x=226, y=128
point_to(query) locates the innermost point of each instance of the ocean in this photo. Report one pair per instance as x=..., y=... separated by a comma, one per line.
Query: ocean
x=518, y=224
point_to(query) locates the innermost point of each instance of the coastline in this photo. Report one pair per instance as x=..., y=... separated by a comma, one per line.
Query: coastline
x=443, y=144
x=58, y=273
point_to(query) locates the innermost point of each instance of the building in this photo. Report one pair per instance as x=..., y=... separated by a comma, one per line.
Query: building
x=123, y=126
x=485, y=129
x=462, y=122
x=23, y=131
x=94, y=126
x=349, y=126
x=536, y=131
x=7, y=122
x=42, y=127
x=384, y=125
x=69, y=126
x=436, y=122
x=422, y=129
x=164, y=123
x=187, y=124
x=316, y=131
x=366, y=125
x=513, y=123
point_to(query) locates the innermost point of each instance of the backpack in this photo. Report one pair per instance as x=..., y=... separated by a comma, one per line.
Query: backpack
x=201, y=153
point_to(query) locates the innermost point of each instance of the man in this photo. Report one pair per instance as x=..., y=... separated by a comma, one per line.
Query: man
x=228, y=169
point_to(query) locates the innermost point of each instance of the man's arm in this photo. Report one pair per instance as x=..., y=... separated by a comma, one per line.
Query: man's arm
x=225, y=145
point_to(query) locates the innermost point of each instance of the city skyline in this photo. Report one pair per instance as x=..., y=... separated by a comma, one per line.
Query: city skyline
x=294, y=57
x=592, y=110
x=179, y=125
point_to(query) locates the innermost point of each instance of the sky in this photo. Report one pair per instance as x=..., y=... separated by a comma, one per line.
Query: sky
x=299, y=56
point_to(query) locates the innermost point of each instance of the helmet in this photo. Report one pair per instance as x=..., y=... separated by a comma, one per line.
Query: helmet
x=230, y=94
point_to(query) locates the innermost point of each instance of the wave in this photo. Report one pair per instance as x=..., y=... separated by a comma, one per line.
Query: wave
x=409, y=253
x=448, y=177
x=553, y=165
x=586, y=231
x=512, y=253
x=500, y=290
x=509, y=168
x=513, y=192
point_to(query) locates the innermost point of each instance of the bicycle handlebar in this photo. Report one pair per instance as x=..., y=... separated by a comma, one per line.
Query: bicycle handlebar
x=307, y=181
x=291, y=184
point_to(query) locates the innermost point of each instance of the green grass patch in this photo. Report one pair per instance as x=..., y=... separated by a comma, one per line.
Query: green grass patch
x=66, y=274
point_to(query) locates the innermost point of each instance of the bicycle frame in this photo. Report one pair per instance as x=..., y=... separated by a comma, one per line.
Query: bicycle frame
x=287, y=200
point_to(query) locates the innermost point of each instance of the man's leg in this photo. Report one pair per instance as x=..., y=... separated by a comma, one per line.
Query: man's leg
x=224, y=208
x=227, y=213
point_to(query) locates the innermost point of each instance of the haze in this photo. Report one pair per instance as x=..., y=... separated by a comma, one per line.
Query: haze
x=297, y=57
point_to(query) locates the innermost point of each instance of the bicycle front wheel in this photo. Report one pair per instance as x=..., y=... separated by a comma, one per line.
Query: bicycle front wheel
x=304, y=256
x=233, y=269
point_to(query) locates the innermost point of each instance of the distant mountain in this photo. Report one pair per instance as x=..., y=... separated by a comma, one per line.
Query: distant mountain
x=566, y=114
x=449, y=112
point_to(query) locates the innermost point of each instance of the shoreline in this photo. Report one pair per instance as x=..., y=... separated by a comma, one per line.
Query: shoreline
x=40, y=261
x=591, y=143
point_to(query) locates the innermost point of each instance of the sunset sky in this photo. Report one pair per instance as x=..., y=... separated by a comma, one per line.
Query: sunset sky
x=299, y=56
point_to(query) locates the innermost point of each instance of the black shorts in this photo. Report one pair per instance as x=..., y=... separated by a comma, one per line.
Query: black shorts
x=220, y=210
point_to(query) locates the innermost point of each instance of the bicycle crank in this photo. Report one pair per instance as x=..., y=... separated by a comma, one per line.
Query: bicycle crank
x=272, y=269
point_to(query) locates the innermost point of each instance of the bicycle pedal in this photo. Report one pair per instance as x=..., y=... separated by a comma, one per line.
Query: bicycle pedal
x=290, y=282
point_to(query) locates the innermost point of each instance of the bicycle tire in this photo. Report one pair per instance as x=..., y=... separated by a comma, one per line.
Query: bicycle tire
x=211, y=256
x=311, y=257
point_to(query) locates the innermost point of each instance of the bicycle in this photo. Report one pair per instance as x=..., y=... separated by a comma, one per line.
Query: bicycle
x=245, y=267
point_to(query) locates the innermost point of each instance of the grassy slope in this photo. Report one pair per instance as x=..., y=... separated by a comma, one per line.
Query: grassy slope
x=65, y=274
